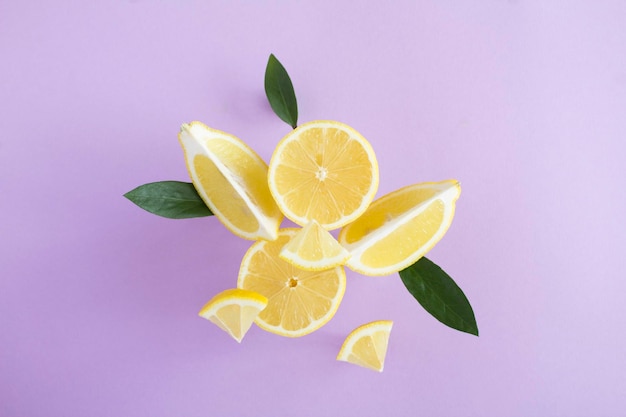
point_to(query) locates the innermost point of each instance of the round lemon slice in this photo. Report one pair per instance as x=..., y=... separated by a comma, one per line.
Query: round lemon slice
x=232, y=180
x=366, y=345
x=324, y=171
x=300, y=302
x=234, y=311
x=400, y=227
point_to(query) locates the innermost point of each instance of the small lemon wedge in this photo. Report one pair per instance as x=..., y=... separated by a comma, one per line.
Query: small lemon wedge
x=234, y=311
x=366, y=345
x=313, y=248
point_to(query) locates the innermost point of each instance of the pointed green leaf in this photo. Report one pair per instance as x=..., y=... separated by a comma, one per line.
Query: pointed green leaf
x=439, y=295
x=171, y=199
x=279, y=91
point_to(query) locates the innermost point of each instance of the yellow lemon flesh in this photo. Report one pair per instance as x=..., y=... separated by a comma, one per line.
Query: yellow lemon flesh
x=324, y=171
x=232, y=180
x=300, y=302
x=366, y=345
x=400, y=227
x=234, y=311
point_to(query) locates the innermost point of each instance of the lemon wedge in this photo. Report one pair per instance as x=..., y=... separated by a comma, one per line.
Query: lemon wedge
x=232, y=180
x=366, y=345
x=400, y=227
x=234, y=311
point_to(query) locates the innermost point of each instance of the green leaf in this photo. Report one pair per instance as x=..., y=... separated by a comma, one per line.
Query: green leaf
x=439, y=295
x=171, y=199
x=279, y=92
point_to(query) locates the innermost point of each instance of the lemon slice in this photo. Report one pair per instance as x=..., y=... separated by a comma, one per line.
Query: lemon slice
x=400, y=227
x=366, y=345
x=313, y=248
x=300, y=302
x=234, y=311
x=232, y=180
x=324, y=171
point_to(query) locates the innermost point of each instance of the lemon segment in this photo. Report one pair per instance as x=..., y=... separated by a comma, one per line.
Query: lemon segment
x=324, y=171
x=313, y=248
x=234, y=311
x=299, y=302
x=400, y=227
x=232, y=180
x=366, y=345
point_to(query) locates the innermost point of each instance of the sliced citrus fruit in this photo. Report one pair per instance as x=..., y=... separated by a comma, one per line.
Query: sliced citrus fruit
x=232, y=180
x=323, y=170
x=313, y=248
x=300, y=302
x=234, y=311
x=400, y=227
x=367, y=345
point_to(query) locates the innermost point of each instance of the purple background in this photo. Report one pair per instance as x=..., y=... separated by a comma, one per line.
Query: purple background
x=523, y=101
